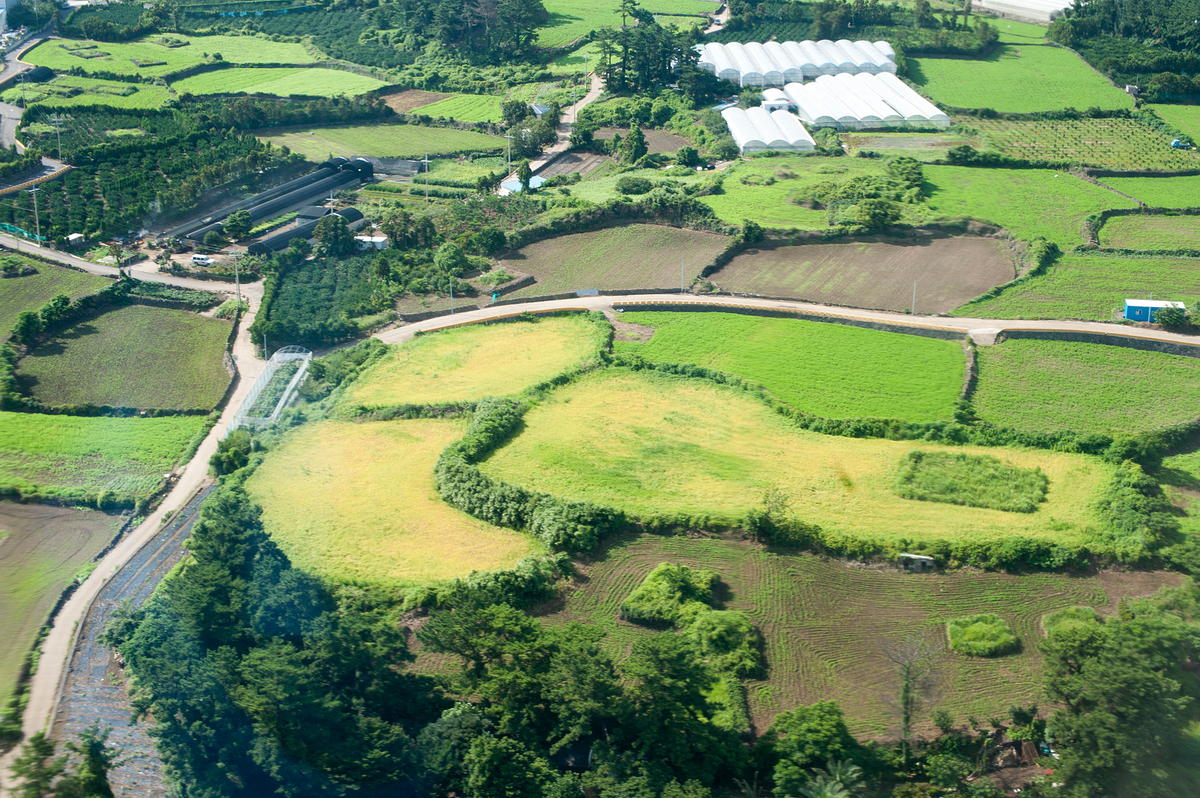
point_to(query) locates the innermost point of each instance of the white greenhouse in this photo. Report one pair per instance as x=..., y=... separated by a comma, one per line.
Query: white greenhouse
x=758, y=130
x=777, y=64
x=776, y=100
x=862, y=102
x=1037, y=10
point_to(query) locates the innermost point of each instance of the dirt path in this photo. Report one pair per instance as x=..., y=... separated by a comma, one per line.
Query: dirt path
x=982, y=331
x=45, y=686
x=564, y=130
x=718, y=22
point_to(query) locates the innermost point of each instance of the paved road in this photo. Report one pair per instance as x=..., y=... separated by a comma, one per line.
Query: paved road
x=59, y=644
x=982, y=331
x=89, y=690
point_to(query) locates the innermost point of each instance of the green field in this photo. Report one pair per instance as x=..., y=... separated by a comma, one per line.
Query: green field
x=135, y=356
x=1017, y=79
x=653, y=444
x=1060, y=385
x=383, y=141
x=127, y=455
x=468, y=363
x=1104, y=143
x=120, y=56
x=1184, y=118
x=357, y=502
x=281, y=82
x=617, y=258
x=603, y=186
x=1026, y=202
x=466, y=108
x=825, y=369
x=825, y=624
x=105, y=92
x=1151, y=232
x=1012, y=32
x=1160, y=192
x=572, y=19
x=922, y=146
x=42, y=550
x=451, y=169
x=32, y=291
x=1180, y=478
x=1091, y=287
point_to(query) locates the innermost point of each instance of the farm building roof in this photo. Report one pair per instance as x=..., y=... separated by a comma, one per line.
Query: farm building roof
x=514, y=186
x=350, y=214
x=1152, y=303
x=776, y=64
x=312, y=212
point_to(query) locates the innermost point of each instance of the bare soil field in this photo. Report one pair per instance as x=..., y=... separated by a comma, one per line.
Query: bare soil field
x=825, y=623
x=874, y=273
x=619, y=258
x=41, y=550
x=410, y=100
x=657, y=140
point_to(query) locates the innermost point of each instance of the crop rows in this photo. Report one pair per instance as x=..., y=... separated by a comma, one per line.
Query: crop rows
x=1104, y=143
x=32, y=291
x=1160, y=192
x=1151, y=232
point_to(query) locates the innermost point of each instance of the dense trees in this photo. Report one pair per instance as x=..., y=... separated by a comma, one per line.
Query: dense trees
x=641, y=54
x=40, y=774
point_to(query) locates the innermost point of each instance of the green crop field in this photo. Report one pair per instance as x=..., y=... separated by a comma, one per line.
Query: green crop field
x=127, y=455
x=826, y=369
x=466, y=108
x=602, y=186
x=1180, y=478
x=1151, y=232
x=32, y=291
x=1160, y=192
x=42, y=550
x=1026, y=202
x=469, y=363
x=1091, y=287
x=1017, y=79
x=1184, y=118
x=135, y=356
x=383, y=141
x=67, y=90
x=281, y=82
x=356, y=502
x=653, y=444
x=1104, y=143
x=1012, y=32
x=1060, y=385
x=632, y=256
x=451, y=169
x=121, y=56
x=573, y=19
x=922, y=146
x=825, y=624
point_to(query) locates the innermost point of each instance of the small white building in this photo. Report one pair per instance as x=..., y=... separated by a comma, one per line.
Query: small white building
x=371, y=242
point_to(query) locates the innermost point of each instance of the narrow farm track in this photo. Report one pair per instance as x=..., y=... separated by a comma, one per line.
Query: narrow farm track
x=59, y=647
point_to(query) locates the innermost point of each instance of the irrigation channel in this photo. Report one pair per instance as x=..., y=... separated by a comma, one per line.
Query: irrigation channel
x=93, y=690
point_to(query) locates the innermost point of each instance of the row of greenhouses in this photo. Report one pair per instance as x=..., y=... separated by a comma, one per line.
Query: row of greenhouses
x=779, y=63
x=759, y=130
x=856, y=102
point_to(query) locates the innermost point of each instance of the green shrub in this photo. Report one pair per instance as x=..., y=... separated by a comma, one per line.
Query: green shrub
x=669, y=595
x=727, y=640
x=970, y=480
x=634, y=185
x=1070, y=617
x=983, y=635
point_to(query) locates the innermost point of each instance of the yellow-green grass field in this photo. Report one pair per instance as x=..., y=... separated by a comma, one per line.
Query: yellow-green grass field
x=1160, y=192
x=30, y=292
x=465, y=364
x=653, y=444
x=1026, y=202
x=121, y=56
x=825, y=623
x=466, y=108
x=1017, y=79
x=1184, y=118
x=617, y=258
x=1062, y=385
x=1091, y=287
x=42, y=548
x=573, y=19
x=383, y=141
x=357, y=502
x=828, y=370
x=282, y=82
x=135, y=356
x=127, y=455
x=1151, y=232
x=1180, y=478
x=58, y=93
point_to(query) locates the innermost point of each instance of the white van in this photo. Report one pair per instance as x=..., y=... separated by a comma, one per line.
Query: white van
x=202, y=260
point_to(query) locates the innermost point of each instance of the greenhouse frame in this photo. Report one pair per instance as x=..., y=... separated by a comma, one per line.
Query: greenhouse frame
x=776, y=64
x=759, y=130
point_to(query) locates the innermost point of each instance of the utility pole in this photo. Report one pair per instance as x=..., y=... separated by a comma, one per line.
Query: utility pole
x=56, y=119
x=681, y=276
x=426, y=162
x=510, y=137
x=37, y=221
x=914, y=304
x=237, y=281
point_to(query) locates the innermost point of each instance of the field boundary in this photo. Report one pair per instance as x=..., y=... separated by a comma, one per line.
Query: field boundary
x=1108, y=339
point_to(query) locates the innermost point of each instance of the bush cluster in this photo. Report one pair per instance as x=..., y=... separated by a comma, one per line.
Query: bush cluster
x=970, y=480
x=983, y=635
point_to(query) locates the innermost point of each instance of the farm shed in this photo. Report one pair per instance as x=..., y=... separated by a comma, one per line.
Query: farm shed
x=758, y=130
x=776, y=100
x=365, y=243
x=776, y=64
x=1144, y=309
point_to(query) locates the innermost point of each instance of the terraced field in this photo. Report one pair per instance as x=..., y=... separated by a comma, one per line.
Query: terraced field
x=30, y=292
x=357, y=503
x=149, y=58
x=664, y=445
x=825, y=623
x=282, y=82
x=1151, y=232
x=1160, y=192
x=383, y=141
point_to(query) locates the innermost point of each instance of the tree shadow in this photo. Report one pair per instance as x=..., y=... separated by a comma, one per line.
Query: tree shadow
x=557, y=20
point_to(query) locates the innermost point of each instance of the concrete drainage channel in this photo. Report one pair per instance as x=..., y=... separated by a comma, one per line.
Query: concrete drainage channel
x=89, y=693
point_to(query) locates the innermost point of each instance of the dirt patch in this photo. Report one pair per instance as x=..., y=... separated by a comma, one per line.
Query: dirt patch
x=656, y=140
x=875, y=273
x=406, y=101
x=626, y=331
x=1134, y=584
